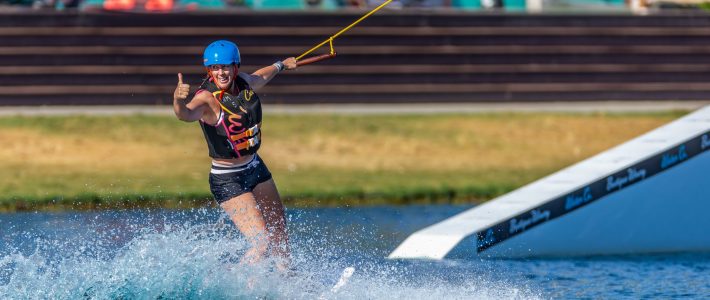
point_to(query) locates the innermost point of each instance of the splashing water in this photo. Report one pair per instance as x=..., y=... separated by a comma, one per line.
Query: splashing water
x=195, y=255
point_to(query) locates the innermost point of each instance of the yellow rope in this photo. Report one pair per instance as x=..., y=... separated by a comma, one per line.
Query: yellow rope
x=330, y=39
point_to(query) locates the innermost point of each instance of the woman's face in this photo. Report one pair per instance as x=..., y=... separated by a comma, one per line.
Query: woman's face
x=223, y=75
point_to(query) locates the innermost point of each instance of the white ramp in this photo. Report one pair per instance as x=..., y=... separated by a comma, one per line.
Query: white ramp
x=650, y=194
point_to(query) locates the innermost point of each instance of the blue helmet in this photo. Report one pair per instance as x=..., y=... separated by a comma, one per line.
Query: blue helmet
x=221, y=52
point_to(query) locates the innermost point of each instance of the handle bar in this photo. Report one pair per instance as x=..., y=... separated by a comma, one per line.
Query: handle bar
x=316, y=58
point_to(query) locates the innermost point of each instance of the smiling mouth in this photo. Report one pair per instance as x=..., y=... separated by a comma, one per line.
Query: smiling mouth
x=223, y=81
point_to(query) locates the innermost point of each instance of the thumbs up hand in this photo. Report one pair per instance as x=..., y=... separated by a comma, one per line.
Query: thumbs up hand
x=182, y=89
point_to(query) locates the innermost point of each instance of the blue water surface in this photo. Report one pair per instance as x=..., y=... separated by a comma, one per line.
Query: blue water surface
x=194, y=254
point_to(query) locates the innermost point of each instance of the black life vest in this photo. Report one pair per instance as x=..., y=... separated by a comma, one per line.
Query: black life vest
x=237, y=131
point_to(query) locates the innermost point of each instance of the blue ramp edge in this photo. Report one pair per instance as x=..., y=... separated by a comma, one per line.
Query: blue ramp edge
x=595, y=191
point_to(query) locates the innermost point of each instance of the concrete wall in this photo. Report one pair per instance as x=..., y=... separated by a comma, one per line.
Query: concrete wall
x=394, y=56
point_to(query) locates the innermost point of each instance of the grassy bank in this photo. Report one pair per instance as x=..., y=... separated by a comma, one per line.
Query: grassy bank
x=86, y=162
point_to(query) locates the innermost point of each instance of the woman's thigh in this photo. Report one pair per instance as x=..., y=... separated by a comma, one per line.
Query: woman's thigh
x=253, y=212
x=269, y=201
x=246, y=214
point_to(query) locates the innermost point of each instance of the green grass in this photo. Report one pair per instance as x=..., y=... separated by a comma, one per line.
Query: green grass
x=125, y=161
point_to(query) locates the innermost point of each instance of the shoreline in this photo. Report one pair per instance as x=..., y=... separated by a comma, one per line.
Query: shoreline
x=66, y=178
x=376, y=109
x=179, y=201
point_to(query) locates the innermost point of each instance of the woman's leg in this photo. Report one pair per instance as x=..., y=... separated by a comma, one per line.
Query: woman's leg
x=273, y=211
x=260, y=217
x=244, y=212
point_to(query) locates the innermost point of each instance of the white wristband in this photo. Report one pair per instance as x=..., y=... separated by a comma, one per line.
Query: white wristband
x=279, y=66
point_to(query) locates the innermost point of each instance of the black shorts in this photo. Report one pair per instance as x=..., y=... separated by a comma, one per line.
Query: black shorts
x=229, y=182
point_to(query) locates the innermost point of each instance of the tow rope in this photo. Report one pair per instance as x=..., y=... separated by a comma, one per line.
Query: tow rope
x=329, y=41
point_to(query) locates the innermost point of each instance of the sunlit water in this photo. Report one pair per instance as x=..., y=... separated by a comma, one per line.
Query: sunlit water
x=162, y=254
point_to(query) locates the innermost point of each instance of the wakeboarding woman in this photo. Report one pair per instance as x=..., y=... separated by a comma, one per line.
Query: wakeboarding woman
x=229, y=112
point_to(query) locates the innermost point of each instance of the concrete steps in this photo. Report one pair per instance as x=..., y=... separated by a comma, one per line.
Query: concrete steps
x=94, y=58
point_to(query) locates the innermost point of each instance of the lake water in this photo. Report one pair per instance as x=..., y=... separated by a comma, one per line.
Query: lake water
x=193, y=254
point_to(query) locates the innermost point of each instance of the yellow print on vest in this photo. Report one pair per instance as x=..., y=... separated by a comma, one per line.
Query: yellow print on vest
x=248, y=94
